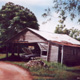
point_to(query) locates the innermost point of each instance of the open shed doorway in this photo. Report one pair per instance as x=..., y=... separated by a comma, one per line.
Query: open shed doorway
x=33, y=47
x=18, y=48
x=43, y=50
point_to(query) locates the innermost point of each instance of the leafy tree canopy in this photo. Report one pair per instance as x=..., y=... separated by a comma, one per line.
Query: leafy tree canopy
x=65, y=9
x=14, y=18
x=75, y=33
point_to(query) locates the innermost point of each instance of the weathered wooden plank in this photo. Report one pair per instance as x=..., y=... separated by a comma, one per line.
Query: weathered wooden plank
x=49, y=51
x=62, y=54
x=54, y=53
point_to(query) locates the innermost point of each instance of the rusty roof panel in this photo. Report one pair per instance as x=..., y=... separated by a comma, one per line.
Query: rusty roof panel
x=66, y=44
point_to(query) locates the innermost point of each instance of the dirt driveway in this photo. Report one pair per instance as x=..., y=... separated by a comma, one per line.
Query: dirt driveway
x=13, y=72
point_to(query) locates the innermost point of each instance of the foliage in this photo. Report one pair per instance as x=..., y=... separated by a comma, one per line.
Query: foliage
x=14, y=18
x=60, y=30
x=65, y=9
x=75, y=33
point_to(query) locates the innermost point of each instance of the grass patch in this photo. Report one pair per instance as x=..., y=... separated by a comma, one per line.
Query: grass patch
x=2, y=56
x=53, y=71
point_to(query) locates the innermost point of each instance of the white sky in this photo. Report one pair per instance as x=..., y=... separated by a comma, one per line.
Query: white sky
x=38, y=7
x=30, y=2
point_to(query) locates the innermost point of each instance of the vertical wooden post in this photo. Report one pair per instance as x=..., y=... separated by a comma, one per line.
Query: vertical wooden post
x=7, y=50
x=49, y=51
x=18, y=50
x=62, y=55
x=12, y=49
x=40, y=50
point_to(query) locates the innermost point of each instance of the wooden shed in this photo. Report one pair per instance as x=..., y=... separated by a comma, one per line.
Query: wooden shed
x=51, y=47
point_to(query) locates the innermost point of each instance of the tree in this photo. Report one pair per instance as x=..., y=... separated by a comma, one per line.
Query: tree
x=69, y=7
x=62, y=30
x=66, y=9
x=75, y=33
x=14, y=18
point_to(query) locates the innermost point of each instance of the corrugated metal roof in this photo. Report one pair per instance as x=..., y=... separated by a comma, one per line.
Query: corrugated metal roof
x=57, y=38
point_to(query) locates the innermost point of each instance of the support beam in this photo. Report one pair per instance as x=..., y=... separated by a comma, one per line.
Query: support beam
x=6, y=50
x=62, y=51
x=49, y=51
x=13, y=49
x=40, y=49
x=18, y=50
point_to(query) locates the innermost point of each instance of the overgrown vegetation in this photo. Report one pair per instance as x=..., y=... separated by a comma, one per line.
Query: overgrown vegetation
x=53, y=71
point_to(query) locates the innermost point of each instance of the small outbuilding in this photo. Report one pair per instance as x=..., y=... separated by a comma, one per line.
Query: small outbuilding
x=51, y=47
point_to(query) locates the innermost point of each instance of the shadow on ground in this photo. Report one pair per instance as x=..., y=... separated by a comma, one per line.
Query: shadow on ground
x=13, y=58
x=72, y=64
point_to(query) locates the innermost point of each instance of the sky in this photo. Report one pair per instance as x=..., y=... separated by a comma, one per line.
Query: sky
x=38, y=8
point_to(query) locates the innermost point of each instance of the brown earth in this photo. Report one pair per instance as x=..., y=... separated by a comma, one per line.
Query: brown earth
x=13, y=72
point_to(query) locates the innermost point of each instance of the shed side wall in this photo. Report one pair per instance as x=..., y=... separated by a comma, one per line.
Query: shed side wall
x=71, y=55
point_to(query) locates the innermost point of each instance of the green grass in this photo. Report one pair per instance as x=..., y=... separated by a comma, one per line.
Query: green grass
x=2, y=56
x=53, y=71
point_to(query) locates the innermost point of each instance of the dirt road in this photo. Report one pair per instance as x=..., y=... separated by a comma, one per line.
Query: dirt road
x=13, y=72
